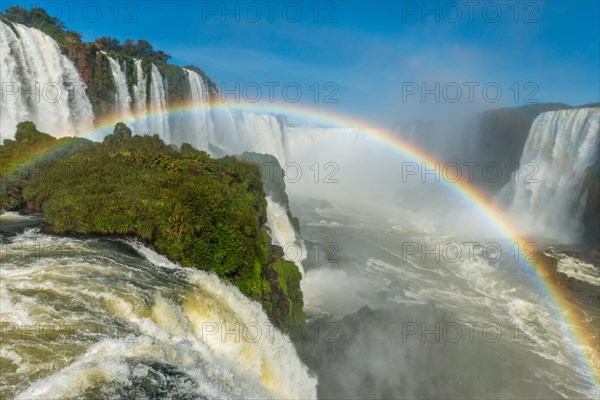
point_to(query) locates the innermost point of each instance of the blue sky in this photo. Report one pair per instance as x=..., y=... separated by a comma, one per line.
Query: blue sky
x=376, y=54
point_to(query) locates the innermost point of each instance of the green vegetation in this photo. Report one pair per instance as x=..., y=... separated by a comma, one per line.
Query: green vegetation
x=142, y=50
x=198, y=211
x=178, y=89
x=31, y=151
x=38, y=18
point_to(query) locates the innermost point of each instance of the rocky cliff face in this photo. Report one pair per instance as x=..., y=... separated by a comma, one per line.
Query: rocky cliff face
x=591, y=212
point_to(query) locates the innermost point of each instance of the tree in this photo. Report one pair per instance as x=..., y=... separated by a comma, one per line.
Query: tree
x=145, y=48
x=122, y=131
x=108, y=43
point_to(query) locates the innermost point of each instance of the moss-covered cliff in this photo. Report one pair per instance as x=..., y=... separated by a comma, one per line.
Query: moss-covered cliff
x=198, y=211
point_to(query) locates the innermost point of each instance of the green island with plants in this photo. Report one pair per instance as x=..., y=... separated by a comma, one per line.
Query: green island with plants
x=198, y=211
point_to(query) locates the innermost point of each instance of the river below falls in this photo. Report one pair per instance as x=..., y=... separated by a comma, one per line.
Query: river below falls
x=98, y=318
x=394, y=316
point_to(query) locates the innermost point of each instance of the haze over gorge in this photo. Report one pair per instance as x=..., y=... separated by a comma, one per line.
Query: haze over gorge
x=171, y=230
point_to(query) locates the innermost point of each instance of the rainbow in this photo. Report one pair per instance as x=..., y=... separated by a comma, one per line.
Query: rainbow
x=541, y=273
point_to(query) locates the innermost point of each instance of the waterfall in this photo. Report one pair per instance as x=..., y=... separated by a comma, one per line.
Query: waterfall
x=141, y=99
x=546, y=196
x=123, y=322
x=258, y=132
x=12, y=109
x=40, y=84
x=159, y=118
x=236, y=131
x=200, y=124
x=284, y=235
x=122, y=96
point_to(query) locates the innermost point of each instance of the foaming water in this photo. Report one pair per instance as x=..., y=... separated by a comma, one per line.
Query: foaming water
x=509, y=330
x=29, y=57
x=284, y=235
x=104, y=319
x=561, y=146
x=575, y=268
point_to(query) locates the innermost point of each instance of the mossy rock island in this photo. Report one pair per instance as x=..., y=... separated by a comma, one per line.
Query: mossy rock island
x=198, y=211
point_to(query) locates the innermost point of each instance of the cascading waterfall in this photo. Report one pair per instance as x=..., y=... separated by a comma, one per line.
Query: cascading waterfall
x=127, y=105
x=122, y=96
x=12, y=109
x=284, y=235
x=200, y=124
x=560, y=147
x=40, y=84
x=141, y=98
x=109, y=320
x=235, y=132
x=159, y=120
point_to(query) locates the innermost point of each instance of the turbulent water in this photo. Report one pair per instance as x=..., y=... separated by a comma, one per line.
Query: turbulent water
x=561, y=145
x=283, y=233
x=439, y=326
x=107, y=319
x=40, y=84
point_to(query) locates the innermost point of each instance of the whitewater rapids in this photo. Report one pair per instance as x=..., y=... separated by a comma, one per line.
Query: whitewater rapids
x=100, y=318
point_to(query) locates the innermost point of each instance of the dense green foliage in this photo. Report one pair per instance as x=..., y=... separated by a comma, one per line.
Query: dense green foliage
x=31, y=151
x=286, y=295
x=142, y=49
x=198, y=211
x=178, y=88
x=202, y=212
x=38, y=18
